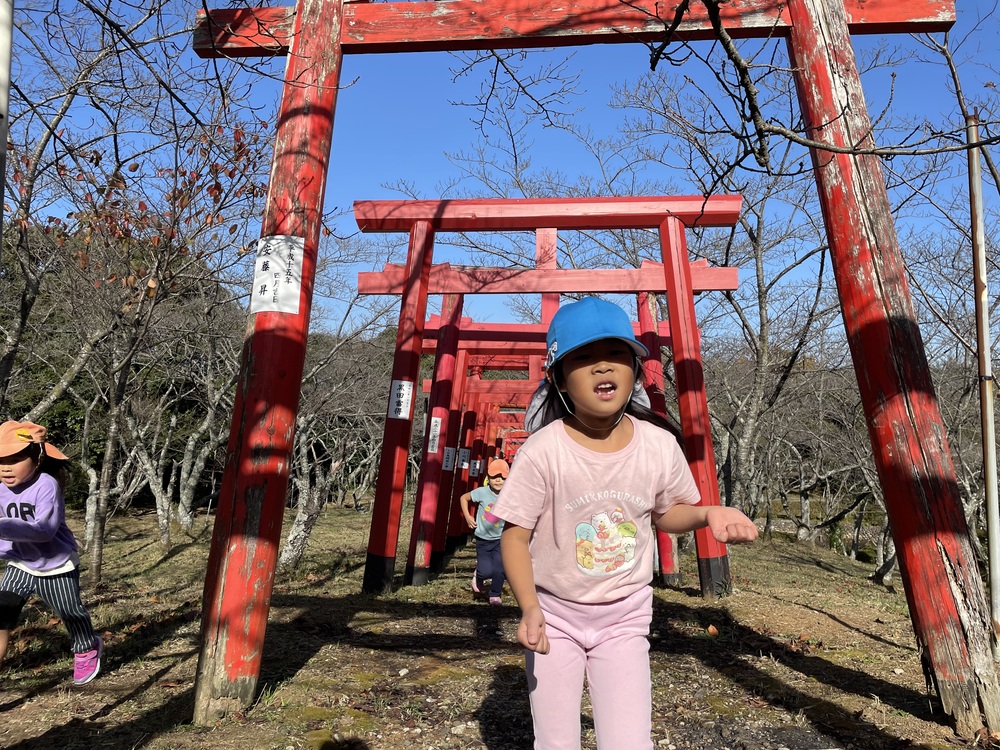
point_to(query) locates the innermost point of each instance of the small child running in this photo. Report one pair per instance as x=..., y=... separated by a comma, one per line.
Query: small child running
x=598, y=472
x=488, y=528
x=38, y=546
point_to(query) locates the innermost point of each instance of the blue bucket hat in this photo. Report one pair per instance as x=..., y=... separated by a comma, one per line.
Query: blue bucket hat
x=585, y=321
x=574, y=325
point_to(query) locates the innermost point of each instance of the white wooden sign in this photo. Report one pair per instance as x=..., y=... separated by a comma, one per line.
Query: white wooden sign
x=277, y=275
x=400, y=400
x=434, y=437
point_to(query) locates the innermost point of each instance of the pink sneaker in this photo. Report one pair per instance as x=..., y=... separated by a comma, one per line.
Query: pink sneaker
x=496, y=601
x=88, y=664
x=476, y=586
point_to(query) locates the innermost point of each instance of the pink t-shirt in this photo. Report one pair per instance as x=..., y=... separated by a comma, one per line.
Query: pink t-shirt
x=590, y=513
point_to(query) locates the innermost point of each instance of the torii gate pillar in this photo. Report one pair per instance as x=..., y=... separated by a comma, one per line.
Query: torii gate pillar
x=388, y=501
x=426, y=514
x=947, y=602
x=242, y=559
x=652, y=366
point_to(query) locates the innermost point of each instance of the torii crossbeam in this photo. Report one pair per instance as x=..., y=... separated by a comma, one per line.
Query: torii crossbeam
x=519, y=24
x=944, y=590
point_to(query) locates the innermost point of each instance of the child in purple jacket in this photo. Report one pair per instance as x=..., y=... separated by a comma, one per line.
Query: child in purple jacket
x=38, y=546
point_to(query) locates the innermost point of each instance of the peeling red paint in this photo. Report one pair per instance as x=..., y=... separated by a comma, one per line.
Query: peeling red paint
x=946, y=597
x=251, y=503
x=485, y=24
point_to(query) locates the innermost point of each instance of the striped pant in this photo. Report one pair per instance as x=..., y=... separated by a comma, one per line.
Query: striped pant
x=61, y=592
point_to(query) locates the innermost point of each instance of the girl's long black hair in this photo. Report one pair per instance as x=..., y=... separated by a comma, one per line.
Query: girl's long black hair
x=553, y=408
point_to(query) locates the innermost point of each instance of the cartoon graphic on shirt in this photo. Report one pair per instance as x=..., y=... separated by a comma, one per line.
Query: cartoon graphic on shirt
x=606, y=544
x=488, y=514
x=585, y=534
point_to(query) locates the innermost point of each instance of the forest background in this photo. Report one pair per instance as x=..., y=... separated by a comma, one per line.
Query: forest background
x=133, y=194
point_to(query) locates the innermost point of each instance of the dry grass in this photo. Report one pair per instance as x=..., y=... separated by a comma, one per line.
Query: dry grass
x=806, y=654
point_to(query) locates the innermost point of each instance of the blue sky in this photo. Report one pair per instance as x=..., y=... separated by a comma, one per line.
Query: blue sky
x=395, y=120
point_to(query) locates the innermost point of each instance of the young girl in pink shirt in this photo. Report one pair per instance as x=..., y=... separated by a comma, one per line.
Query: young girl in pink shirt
x=598, y=472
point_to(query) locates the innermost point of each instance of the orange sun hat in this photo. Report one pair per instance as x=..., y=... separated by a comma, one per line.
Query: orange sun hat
x=498, y=467
x=16, y=436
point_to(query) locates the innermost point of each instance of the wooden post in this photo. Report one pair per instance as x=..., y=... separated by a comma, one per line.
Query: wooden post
x=479, y=446
x=909, y=440
x=458, y=530
x=387, y=506
x=713, y=559
x=546, y=258
x=492, y=438
x=248, y=519
x=425, y=512
x=652, y=367
x=450, y=519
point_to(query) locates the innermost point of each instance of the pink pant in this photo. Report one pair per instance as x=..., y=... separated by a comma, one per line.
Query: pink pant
x=607, y=643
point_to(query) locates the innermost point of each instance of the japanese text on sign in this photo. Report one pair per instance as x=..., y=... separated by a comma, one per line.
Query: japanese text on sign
x=448, y=463
x=464, y=454
x=400, y=399
x=277, y=276
x=434, y=436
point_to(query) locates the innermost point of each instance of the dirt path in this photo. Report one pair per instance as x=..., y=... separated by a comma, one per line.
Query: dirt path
x=806, y=655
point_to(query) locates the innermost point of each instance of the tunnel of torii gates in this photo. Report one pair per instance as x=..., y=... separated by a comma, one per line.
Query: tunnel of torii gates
x=491, y=417
x=946, y=598
x=452, y=457
x=420, y=277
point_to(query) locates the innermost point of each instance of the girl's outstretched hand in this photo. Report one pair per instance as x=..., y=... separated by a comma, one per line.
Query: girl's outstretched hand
x=730, y=525
x=531, y=631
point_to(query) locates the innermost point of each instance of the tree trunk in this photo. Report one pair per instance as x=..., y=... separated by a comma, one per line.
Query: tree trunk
x=859, y=524
x=143, y=435
x=804, y=531
x=298, y=536
x=883, y=574
x=90, y=521
x=103, y=494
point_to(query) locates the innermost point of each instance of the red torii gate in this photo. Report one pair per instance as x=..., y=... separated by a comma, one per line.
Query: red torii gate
x=438, y=491
x=530, y=359
x=456, y=475
x=524, y=352
x=465, y=395
x=944, y=590
x=422, y=219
